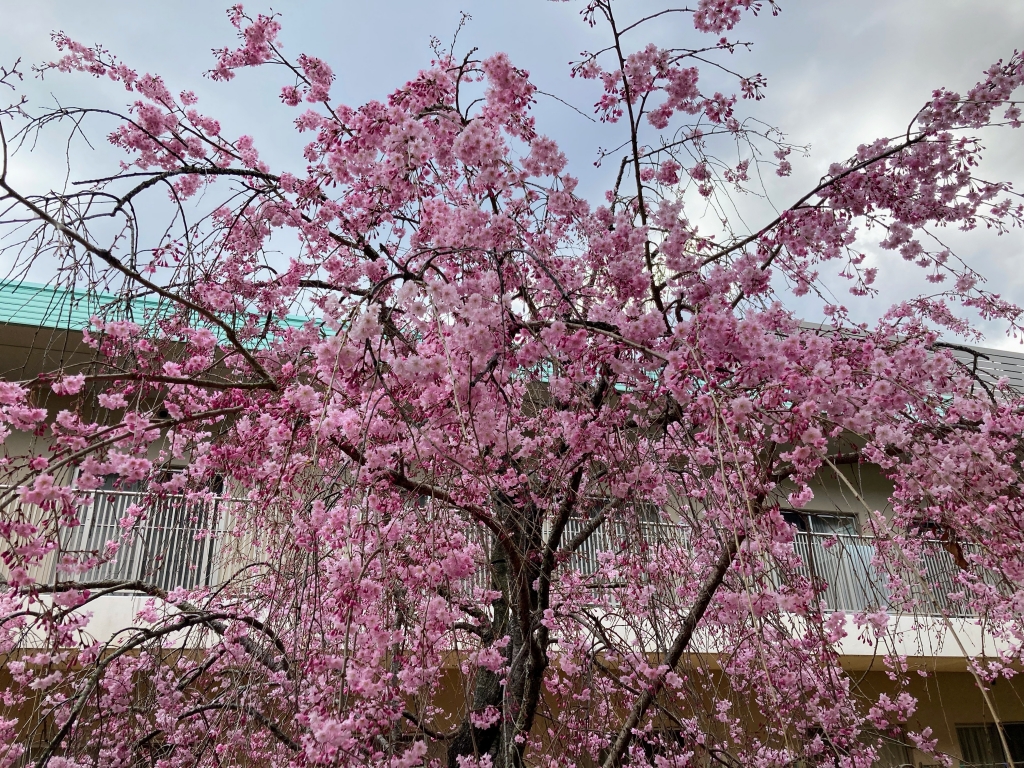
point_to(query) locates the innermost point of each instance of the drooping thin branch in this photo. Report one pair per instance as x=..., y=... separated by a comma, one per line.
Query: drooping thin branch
x=108, y=258
x=830, y=181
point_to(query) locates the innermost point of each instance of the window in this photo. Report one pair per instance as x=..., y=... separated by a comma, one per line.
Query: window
x=981, y=746
x=893, y=754
x=838, y=561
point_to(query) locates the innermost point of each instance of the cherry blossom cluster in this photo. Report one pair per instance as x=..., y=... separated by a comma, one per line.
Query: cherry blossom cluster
x=506, y=468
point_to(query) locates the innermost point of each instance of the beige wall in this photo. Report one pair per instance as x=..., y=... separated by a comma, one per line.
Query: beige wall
x=948, y=699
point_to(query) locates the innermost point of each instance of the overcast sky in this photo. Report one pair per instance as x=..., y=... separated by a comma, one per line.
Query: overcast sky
x=839, y=72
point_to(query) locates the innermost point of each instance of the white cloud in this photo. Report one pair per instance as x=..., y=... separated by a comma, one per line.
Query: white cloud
x=840, y=73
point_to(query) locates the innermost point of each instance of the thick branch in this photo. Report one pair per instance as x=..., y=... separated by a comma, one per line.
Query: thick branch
x=262, y=719
x=675, y=653
x=823, y=185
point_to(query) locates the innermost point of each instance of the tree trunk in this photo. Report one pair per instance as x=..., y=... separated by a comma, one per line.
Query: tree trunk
x=488, y=691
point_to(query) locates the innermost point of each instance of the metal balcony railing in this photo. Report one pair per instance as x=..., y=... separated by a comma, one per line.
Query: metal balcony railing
x=842, y=567
x=586, y=559
x=606, y=538
x=175, y=543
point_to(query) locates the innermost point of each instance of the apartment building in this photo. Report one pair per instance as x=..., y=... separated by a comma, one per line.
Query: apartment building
x=180, y=545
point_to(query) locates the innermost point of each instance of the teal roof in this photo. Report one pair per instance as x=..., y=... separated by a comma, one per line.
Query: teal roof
x=45, y=306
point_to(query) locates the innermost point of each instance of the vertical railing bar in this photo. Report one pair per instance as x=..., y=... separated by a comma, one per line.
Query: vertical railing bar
x=174, y=542
x=190, y=562
x=165, y=544
x=194, y=562
x=213, y=535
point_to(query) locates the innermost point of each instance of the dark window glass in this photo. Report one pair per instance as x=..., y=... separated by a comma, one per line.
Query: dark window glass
x=981, y=746
x=797, y=519
x=816, y=522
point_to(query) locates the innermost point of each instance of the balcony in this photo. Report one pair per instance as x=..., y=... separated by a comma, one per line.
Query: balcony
x=177, y=544
x=841, y=566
